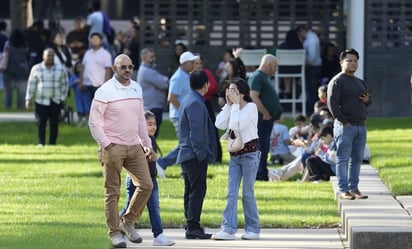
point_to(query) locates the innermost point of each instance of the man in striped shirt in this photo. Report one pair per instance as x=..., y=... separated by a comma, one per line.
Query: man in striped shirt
x=48, y=84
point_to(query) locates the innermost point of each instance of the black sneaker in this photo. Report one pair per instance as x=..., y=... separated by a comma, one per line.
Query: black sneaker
x=198, y=233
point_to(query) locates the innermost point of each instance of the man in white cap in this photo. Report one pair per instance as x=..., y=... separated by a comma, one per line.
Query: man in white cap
x=178, y=89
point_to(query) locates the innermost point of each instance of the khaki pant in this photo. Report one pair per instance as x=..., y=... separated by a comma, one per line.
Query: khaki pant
x=133, y=159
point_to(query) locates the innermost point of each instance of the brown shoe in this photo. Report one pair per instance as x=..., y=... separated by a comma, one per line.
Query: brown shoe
x=357, y=194
x=346, y=196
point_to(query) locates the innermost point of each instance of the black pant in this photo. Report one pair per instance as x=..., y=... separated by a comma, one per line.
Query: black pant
x=46, y=113
x=194, y=173
x=318, y=169
x=212, y=116
x=264, y=131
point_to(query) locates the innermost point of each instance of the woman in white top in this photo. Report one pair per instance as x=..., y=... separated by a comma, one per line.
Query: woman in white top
x=240, y=114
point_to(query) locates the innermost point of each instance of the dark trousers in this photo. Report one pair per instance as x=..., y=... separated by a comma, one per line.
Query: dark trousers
x=212, y=116
x=312, y=84
x=194, y=174
x=264, y=131
x=318, y=169
x=50, y=113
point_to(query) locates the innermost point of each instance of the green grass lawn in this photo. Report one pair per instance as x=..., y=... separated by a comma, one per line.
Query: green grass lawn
x=52, y=197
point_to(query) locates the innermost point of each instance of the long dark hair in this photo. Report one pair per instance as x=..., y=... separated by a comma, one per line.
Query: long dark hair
x=243, y=88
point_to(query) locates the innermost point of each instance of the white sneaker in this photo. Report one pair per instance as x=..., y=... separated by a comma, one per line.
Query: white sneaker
x=160, y=171
x=130, y=232
x=222, y=235
x=161, y=240
x=118, y=241
x=274, y=175
x=250, y=236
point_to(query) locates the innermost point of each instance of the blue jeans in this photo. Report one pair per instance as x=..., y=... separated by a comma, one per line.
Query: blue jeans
x=152, y=205
x=171, y=157
x=350, y=143
x=245, y=166
x=264, y=131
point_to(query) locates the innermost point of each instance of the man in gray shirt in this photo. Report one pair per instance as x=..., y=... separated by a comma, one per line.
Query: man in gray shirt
x=154, y=85
x=348, y=98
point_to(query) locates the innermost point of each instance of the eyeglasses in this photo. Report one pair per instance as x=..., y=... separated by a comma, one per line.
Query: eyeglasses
x=124, y=67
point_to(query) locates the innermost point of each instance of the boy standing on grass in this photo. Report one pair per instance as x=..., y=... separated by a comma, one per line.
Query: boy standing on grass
x=153, y=202
x=118, y=125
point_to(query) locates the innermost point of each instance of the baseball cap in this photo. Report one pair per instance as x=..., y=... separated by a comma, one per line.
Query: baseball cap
x=187, y=56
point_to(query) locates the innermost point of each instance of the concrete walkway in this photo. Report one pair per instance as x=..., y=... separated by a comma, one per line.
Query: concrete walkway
x=17, y=117
x=270, y=238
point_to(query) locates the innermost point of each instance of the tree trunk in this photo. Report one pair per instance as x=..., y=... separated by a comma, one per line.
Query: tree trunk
x=21, y=14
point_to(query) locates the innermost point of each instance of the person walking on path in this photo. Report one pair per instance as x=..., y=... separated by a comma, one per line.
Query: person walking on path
x=347, y=99
x=48, y=83
x=118, y=125
x=154, y=85
x=266, y=99
x=240, y=114
x=197, y=148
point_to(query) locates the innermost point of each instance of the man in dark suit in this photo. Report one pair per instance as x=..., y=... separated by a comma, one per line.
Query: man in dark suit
x=197, y=148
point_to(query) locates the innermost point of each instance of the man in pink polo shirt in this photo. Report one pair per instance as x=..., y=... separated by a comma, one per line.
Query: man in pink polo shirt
x=118, y=125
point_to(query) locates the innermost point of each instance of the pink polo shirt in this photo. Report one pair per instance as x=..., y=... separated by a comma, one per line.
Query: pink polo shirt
x=117, y=115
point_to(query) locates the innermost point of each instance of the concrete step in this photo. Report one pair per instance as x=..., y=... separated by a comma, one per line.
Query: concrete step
x=381, y=237
x=381, y=221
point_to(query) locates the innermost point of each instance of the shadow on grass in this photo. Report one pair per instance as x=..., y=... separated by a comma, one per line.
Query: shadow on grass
x=86, y=174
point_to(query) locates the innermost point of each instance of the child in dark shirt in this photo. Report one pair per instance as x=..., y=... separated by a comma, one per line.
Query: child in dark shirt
x=153, y=202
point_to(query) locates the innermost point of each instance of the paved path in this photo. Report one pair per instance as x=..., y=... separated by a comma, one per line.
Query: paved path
x=270, y=238
x=17, y=116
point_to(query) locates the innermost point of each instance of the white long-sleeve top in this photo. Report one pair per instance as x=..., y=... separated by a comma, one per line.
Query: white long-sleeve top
x=242, y=120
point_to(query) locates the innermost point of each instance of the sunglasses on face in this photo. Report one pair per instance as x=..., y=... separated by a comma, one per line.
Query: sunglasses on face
x=124, y=67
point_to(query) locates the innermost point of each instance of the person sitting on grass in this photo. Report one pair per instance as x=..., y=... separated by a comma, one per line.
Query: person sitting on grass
x=279, y=142
x=308, y=148
x=322, y=165
x=299, y=131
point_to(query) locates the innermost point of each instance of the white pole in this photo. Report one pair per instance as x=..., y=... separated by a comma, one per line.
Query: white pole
x=355, y=32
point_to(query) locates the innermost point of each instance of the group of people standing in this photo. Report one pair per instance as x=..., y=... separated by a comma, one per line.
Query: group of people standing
x=123, y=113
x=250, y=107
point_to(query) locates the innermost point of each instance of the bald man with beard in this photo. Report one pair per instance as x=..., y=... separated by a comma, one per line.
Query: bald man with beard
x=118, y=125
